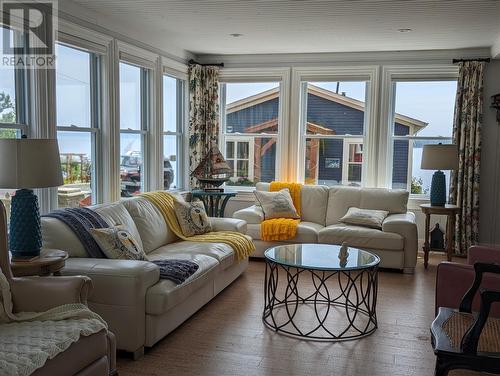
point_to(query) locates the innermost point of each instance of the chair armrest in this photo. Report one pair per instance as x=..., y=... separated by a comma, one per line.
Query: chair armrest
x=252, y=215
x=228, y=224
x=39, y=294
x=483, y=254
x=115, y=282
x=454, y=280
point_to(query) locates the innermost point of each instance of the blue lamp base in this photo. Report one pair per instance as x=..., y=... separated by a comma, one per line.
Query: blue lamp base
x=438, y=189
x=25, y=231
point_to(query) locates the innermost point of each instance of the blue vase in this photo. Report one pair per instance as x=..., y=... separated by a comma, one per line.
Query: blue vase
x=438, y=189
x=25, y=231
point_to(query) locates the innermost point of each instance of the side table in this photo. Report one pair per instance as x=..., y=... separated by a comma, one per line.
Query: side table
x=214, y=202
x=51, y=261
x=450, y=211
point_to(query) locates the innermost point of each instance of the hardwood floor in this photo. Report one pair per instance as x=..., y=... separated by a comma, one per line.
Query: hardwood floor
x=227, y=336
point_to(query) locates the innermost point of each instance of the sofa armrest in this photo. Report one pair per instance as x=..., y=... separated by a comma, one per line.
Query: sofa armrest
x=252, y=215
x=228, y=224
x=452, y=282
x=479, y=253
x=115, y=282
x=404, y=225
x=39, y=294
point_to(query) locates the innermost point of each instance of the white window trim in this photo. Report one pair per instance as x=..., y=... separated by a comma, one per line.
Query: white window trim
x=251, y=145
x=370, y=74
x=281, y=75
x=345, y=157
x=391, y=74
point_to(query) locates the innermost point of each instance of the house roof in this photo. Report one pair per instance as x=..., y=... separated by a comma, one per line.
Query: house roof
x=267, y=95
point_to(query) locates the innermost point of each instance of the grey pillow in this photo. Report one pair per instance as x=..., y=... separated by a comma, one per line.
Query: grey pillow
x=117, y=243
x=192, y=217
x=276, y=204
x=365, y=217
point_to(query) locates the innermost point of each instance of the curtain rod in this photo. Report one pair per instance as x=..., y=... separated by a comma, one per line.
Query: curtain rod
x=487, y=60
x=205, y=65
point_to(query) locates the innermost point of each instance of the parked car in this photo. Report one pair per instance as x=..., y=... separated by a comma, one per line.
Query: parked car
x=130, y=173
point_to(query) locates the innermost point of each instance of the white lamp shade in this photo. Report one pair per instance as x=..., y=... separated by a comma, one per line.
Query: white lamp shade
x=439, y=157
x=29, y=163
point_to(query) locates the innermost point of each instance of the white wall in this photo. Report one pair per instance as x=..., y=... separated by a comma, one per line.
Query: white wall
x=489, y=225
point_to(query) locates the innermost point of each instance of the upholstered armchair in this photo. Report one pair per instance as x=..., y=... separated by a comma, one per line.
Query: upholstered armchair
x=92, y=355
x=453, y=279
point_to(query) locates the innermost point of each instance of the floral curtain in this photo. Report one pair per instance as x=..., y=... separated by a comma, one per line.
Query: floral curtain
x=464, y=187
x=203, y=113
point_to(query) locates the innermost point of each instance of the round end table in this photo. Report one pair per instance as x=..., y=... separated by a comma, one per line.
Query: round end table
x=318, y=292
x=51, y=261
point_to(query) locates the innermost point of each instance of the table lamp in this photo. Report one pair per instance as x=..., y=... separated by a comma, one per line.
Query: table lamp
x=439, y=157
x=26, y=164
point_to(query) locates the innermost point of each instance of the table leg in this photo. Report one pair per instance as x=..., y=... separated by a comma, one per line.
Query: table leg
x=426, y=240
x=449, y=236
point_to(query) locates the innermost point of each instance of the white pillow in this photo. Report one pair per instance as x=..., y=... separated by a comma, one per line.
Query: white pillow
x=276, y=204
x=365, y=217
x=117, y=242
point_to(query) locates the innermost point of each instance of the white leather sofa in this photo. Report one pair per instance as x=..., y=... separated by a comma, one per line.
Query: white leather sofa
x=139, y=307
x=322, y=207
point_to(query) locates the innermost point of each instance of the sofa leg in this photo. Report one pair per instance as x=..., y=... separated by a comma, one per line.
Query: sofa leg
x=409, y=270
x=138, y=354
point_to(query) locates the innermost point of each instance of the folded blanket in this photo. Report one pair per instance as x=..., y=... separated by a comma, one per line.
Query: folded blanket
x=176, y=271
x=164, y=201
x=282, y=228
x=80, y=220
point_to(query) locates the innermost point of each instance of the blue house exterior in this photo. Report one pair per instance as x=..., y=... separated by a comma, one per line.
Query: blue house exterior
x=328, y=113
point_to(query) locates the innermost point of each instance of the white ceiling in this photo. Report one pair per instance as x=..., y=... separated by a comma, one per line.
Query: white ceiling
x=302, y=26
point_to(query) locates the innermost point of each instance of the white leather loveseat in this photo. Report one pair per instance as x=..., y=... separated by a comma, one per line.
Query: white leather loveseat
x=139, y=307
x=321, y=209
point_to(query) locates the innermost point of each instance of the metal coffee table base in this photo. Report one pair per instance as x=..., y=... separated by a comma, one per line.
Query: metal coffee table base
x=355, y=295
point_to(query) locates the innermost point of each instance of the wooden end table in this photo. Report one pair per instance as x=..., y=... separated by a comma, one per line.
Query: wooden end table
x=51, y=261
x=450, y=211
x=214, y=202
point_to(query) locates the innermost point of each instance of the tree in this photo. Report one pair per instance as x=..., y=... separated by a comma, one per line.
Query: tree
x=7, y=115
x=417, y=186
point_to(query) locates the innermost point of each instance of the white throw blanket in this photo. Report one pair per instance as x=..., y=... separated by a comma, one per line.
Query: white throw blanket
x=28, y=339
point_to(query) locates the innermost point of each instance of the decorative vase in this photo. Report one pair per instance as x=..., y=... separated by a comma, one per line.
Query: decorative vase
x=438, y=189
x=25, y=231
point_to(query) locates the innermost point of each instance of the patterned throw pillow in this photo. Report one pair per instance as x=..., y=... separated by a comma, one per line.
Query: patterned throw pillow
x=117, y=243
x=192, y=217
x=276, y=204
x=365, y=217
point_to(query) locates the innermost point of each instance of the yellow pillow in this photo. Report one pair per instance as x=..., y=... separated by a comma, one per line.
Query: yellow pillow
x=117, y=243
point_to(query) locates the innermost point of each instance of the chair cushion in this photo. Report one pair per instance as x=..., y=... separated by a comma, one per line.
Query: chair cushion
x=307, y=232
x=166, y=294
x=362, y=237
x=150, y=223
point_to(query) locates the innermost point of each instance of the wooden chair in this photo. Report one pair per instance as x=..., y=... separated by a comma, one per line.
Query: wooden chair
x=466, y=340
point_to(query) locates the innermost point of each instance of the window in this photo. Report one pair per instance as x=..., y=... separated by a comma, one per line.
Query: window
x=78, y=128
x=250, y=123
x=134, y=119
x=333, y=128
x=173, y=115
x=423, y=114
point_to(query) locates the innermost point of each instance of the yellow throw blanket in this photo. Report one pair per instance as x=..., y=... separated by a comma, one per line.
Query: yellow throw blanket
x=282, y=228
x=164, y=201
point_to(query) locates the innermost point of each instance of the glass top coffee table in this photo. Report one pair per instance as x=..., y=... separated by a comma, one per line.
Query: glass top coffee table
x=320, y=292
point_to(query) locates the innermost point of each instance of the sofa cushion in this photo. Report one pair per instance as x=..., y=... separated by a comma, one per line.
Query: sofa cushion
x=365, y=217
x=313, y=203
x=362, y=237
x=192, y=217
x=307, y=232
x=152, y=227
x=166, y=294
x=116, y=242
x=276, y=204
x=340, y=199
x=394, y=201
x=223, y=253
x=116, y=214
x=57, y=235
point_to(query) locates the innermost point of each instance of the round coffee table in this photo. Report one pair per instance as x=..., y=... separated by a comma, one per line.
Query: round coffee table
x=314, y=292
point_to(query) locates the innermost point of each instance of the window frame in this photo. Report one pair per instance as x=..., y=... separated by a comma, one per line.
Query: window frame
x=259, y=75
x=95, y=126
x=303, y=75
x=392, y=75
